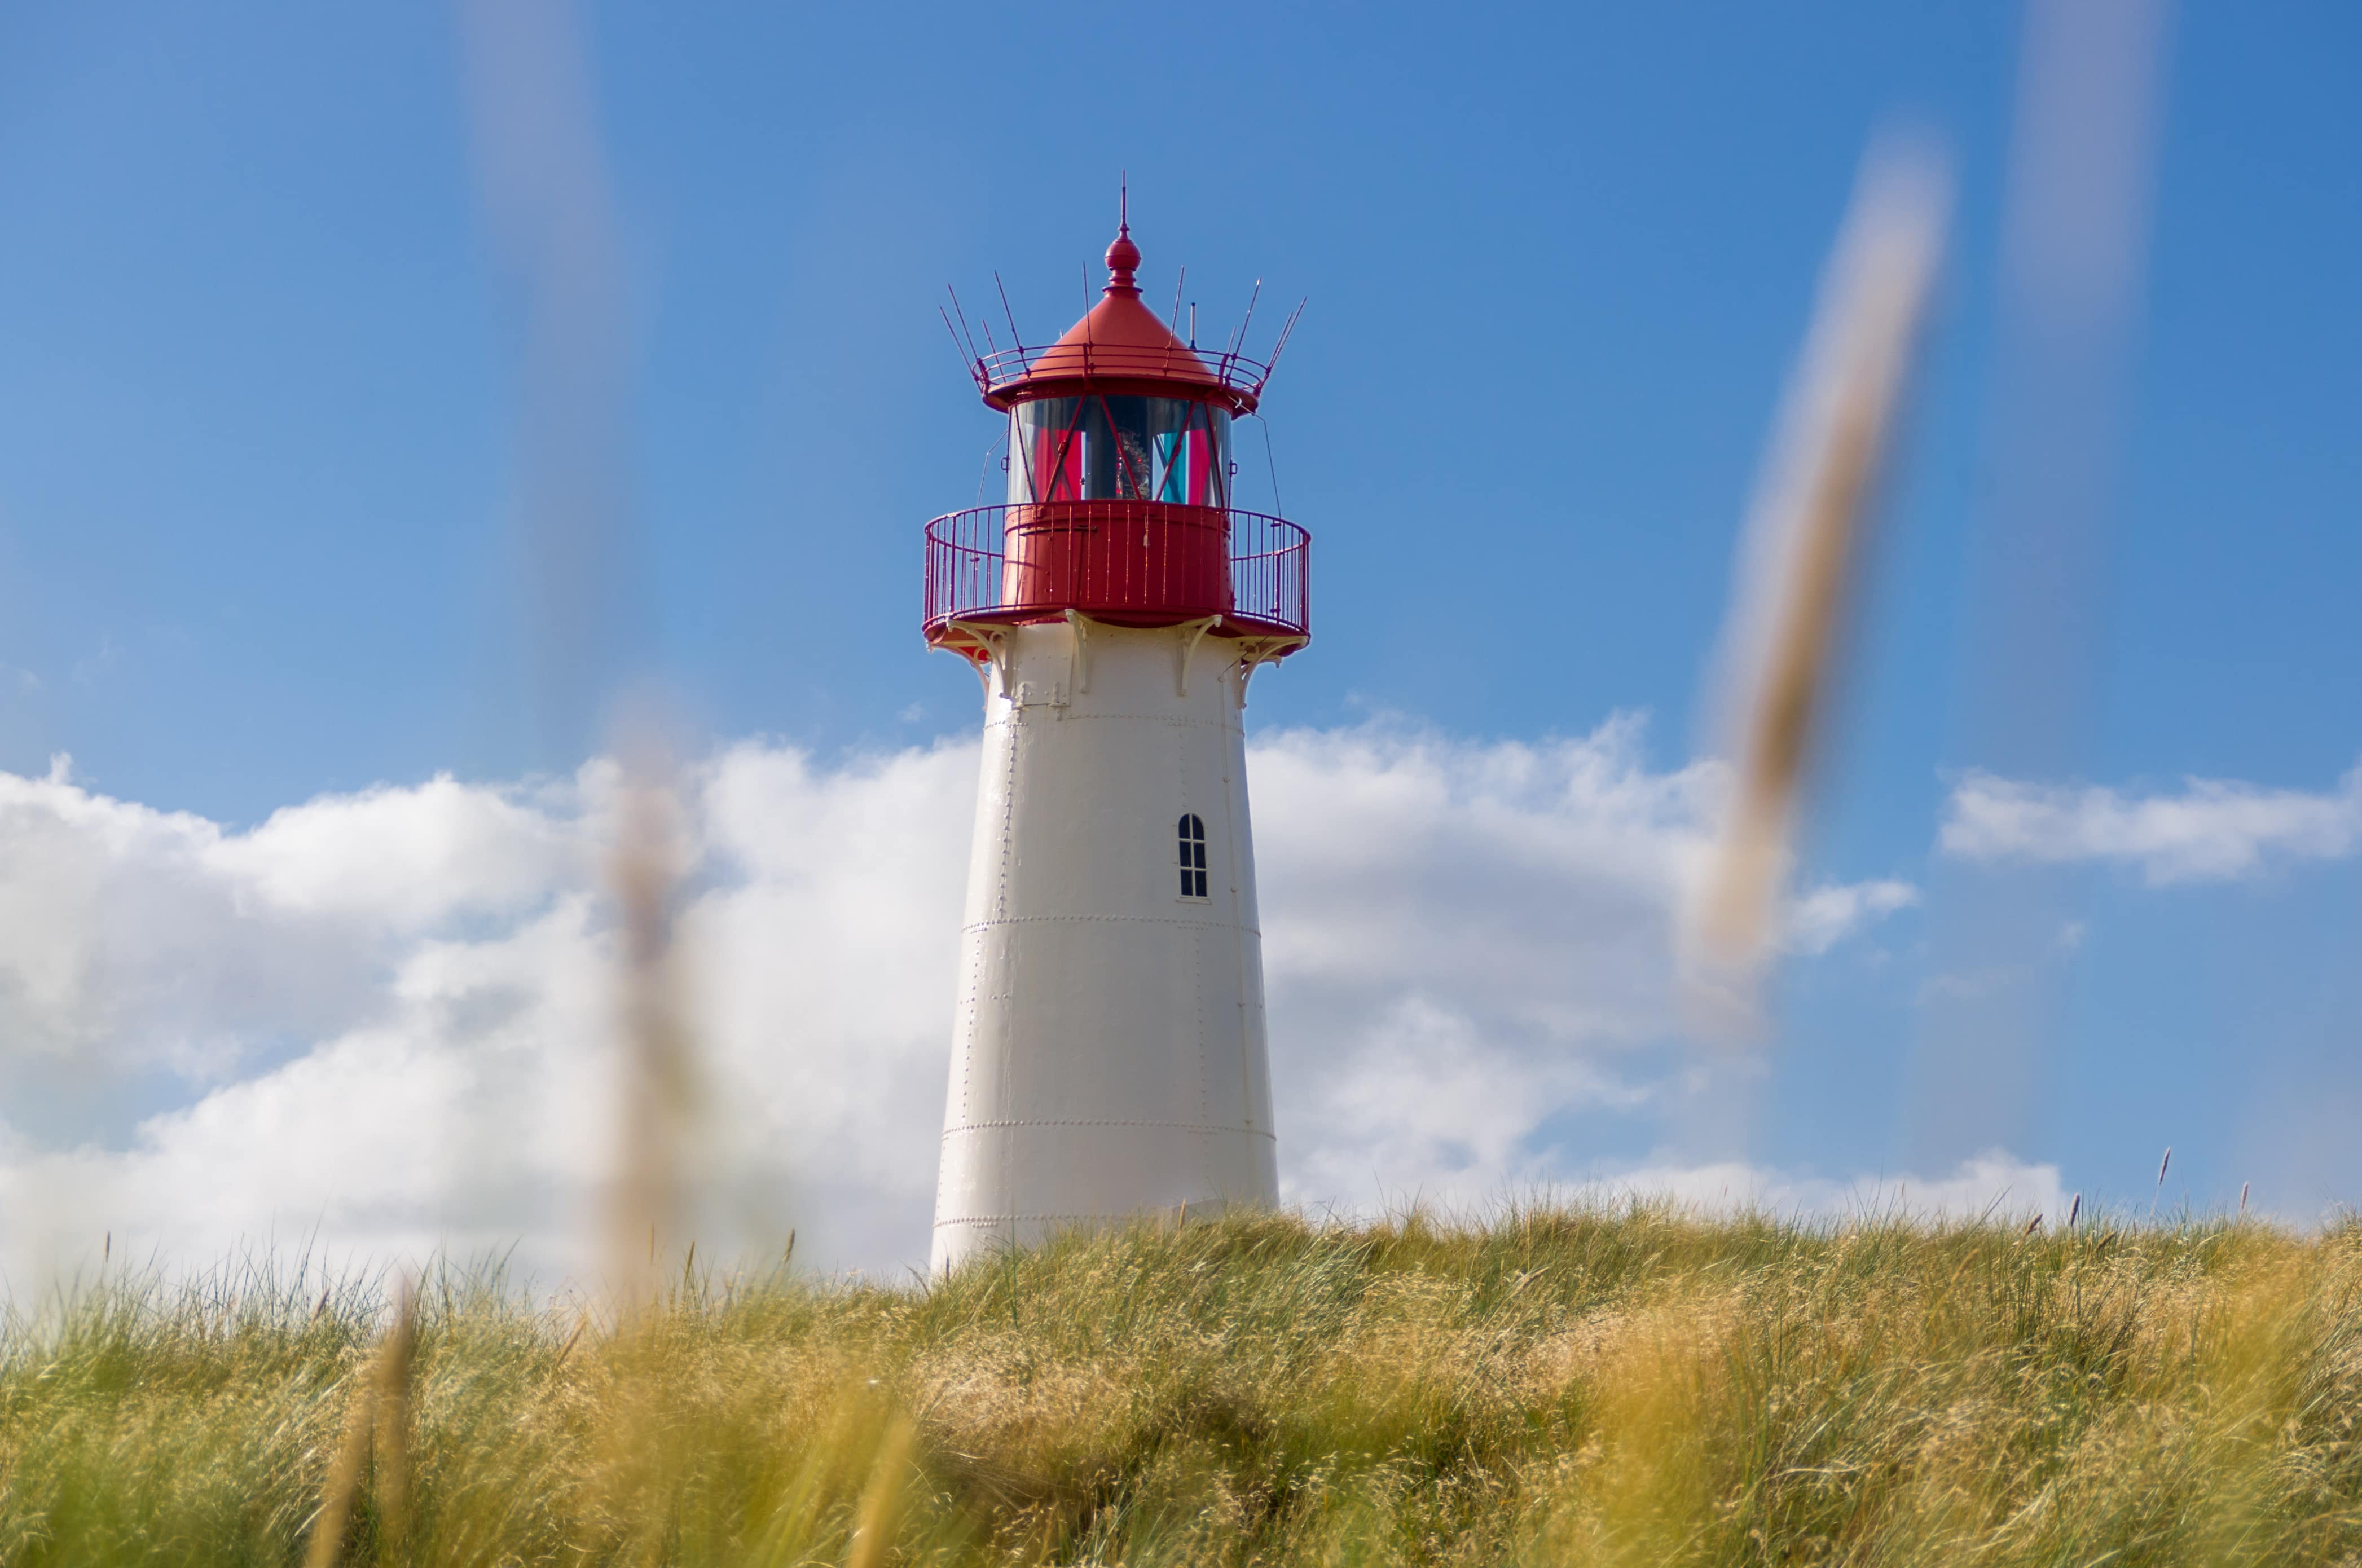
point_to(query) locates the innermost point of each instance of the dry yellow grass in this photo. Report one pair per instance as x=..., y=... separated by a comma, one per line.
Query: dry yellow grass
x=1632, y=1386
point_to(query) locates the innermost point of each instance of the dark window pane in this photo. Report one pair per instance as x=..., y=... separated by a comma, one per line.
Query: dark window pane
x=1193, y=856
x=1046, y=450
x=1067, y=448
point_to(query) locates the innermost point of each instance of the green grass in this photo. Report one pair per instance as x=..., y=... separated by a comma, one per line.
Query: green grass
x=1636, y=1387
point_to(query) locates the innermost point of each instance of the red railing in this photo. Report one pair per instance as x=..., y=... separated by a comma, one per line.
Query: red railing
x=1128, y=562
x=1241, y=377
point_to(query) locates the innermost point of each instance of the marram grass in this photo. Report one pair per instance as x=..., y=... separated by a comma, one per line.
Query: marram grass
x=1634, y=1386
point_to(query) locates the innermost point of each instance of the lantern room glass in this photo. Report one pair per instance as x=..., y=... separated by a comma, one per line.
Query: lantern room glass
x=1119, y=449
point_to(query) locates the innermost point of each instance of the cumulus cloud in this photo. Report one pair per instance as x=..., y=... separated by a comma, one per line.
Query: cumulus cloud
x=382, y=1023
x=1991, y=1185
x=2209, y=830
x=1466, y=942
x=1827, y=916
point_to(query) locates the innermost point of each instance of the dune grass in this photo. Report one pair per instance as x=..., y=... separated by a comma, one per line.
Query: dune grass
x=1641, y=1386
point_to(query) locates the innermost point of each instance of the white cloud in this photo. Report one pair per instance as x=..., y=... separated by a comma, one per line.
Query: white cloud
x=1992, y=1184
x=404, y=858
x=1828, y=915
x=1466, y=943
x=2209, y=830
x=384, y=1020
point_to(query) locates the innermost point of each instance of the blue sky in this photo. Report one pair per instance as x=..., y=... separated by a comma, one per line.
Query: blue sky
x=269, y=369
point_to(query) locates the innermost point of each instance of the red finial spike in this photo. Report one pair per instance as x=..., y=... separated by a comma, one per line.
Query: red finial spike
x=1123, y=256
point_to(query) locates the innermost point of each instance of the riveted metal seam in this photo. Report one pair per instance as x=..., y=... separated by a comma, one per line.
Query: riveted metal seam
x=1072, y=717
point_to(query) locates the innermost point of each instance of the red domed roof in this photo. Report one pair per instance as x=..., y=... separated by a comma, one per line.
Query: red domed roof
x=1121, y=346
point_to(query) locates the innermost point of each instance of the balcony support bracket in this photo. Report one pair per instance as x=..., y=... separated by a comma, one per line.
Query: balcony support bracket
x=1193, y=633
x=983, y=646
x=1078, y=660
x=1254, y=652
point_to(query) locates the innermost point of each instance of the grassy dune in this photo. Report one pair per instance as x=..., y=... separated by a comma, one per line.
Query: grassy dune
x=1638, y=1387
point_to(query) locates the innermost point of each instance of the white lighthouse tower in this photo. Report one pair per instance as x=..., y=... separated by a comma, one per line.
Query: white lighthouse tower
x=1107, y=1053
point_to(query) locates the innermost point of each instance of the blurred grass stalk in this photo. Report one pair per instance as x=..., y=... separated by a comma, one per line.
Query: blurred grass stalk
x=376, y=1438
x=549, y=202
x=658, y=1100
x=2034, y=610
x=1797, y=567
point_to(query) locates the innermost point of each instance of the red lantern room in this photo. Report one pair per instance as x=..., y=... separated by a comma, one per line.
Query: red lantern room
x=1119, y=506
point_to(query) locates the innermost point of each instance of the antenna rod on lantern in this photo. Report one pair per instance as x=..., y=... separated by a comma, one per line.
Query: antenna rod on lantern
x=1014, y=340
x=1175, y=325
x=963, y=321
x=974, y=365
x=1281, y=346
x=1238, y=339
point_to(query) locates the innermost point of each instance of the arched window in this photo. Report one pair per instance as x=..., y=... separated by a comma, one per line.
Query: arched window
x=1193, y=856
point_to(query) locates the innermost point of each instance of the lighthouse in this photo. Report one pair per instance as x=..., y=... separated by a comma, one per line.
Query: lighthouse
x=1107, y=1044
